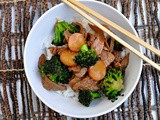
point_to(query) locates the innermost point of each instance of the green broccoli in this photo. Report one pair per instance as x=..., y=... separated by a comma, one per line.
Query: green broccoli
x=112, y=83
x=87, y=96
x=60, y=27
x=55, y=70
x=86, y=57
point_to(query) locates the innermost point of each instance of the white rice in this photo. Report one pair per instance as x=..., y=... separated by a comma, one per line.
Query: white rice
x=69, y=93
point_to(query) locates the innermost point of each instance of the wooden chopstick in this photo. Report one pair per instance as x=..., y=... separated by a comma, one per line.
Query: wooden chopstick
x=112, y=35
x=114, y=25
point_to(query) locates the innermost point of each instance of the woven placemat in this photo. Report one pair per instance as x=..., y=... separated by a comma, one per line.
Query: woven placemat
x=17, y=101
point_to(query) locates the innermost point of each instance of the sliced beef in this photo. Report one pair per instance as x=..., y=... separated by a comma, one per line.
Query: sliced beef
x=53, y=50
x=106, y=45
x=41, y=60
x=96, y=29
x=73, y=81
x=61, y=49
x=49, y=85
x=117, y=64
x=82, y=30
x=117, y=55
x=78, y=71
x=106, y=26
x=85, y=83
x=125, y=61
x=111, y=47
x=90, y=39
x=57, y=50
x=67, y=34
x=105, y=48
x=75, y=68
x=109, y=43
x=98, y=44
x=81, y=73
x=107, y=57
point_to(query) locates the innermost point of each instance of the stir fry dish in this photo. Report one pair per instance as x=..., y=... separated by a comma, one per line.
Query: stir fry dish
x=88, y=62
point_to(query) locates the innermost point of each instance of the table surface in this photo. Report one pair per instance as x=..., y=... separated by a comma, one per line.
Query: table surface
x=144, y=103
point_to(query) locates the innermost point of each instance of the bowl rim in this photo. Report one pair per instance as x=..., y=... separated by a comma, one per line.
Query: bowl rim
x=100, y=113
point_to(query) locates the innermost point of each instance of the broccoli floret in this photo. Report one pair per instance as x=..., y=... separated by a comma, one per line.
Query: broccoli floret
x=112, y=83
x=86, y=57
x=87, y=96
x=53, y=77
x=118, y=46
x=84, y=48
x=59, y=32
x=55, y=70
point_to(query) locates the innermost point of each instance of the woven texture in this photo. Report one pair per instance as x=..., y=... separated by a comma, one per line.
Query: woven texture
x=17, y=101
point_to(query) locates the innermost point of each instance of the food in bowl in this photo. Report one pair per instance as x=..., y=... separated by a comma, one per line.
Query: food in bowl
x=85, y=63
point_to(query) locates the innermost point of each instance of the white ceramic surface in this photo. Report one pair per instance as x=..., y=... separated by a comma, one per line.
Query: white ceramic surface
x=33, y=49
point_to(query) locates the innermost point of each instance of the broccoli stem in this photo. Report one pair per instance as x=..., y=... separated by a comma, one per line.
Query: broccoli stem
x=53, y=78
x=84, y=48
x=87, y=96
x=95, y=95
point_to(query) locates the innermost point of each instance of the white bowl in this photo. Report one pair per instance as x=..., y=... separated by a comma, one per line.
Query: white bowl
x=33, y=49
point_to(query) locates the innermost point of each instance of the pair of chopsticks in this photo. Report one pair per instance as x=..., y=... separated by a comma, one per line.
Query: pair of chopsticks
x=76, y=5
